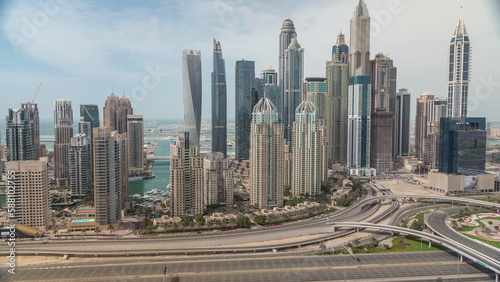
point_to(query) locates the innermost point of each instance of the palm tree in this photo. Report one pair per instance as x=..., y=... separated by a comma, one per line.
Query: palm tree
x=356, y=242
x=322, y=246
x=111, y=228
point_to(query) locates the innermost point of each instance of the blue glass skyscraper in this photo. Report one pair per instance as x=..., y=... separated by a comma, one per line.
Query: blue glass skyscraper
x=246, y=98
x=219, y=102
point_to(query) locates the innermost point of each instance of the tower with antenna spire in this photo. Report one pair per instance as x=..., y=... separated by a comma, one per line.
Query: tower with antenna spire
x=340, y=51
x=459, y=71
x=360, y=41
x=219, y=102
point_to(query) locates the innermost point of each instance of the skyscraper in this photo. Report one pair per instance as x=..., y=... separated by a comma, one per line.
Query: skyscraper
x=459, y=71
x=246, y=97
x=338, y=87
x=271, y=90
x=186, y=177
x=80, y=166
x=19, y=136
x=383, y=107
x=219, y=102
x=191, y=90
x=358, y=145
x=292, y=84
x=381, y=124
x=462, y=147
x=401, y=144
x=287, y=34
x=63, y=131
x=359, y=99
x=116, y=111
x=384, y=75
x=307, y=151
x=32, y=115
x=109, y=152
x=359, y=61
x=135, y=131
x=266, y=156
x=218, y=180
x=31, y=193
x=429, y=112
x=89, y=118
x=340, y=51
x=316, y=92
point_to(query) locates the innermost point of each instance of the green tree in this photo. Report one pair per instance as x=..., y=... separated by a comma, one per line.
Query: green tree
x=186, y=220
x=200, y=219
x=242, y=222
x=287, y=191
x=260, y=219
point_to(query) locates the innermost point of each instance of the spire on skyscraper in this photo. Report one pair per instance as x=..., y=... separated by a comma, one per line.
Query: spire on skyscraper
x=460, y=28
x=361, y=10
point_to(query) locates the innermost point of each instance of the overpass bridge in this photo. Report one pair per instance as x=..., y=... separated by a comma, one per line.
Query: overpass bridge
x=442, y=198
x=157, y=158
x=461, y=249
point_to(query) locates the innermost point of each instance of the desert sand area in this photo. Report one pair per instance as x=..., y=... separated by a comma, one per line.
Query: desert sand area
x=400, y=187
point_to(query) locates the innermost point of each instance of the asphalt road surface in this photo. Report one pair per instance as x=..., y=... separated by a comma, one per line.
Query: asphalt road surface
x=399, y=266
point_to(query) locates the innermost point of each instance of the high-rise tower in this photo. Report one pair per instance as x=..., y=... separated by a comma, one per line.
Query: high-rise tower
x=340, y=51
x=337, y=74
x=115, y=113
x=219, y=102
x=110, y=174
x=19, y=136
x=80, y=165
x=135, y=132
x=459, y=71
x=266, y=156
x=308, y=151
x=89, y=118
x=360, y=41
x=32, y=115
x=292, y=85
x=401, y=145
x=31, y=193
x=191, y=90
x=246, y=97
x=63, y=119
x=271, y=90
x=286, y=36
x=186, y=177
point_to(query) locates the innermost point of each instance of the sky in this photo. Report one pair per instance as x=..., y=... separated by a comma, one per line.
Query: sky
x=85, y=50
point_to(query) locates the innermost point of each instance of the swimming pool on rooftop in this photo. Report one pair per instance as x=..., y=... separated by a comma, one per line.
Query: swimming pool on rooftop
x=82, y=220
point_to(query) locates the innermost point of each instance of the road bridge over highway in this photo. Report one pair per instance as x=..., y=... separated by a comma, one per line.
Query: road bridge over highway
x=476, y=256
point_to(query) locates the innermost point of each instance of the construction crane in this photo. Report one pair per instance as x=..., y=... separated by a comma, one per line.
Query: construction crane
x=36, y=93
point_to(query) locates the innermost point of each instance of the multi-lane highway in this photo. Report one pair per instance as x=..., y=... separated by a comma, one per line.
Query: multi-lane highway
x=437, y=222
x=425, y=266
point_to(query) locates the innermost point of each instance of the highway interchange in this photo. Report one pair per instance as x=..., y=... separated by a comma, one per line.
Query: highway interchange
x=372, y=208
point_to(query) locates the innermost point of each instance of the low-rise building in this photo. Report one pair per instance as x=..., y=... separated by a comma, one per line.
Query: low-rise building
x=457, y=183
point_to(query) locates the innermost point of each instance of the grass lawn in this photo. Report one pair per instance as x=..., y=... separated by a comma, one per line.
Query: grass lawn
x=412, y=245
x=495, y=244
